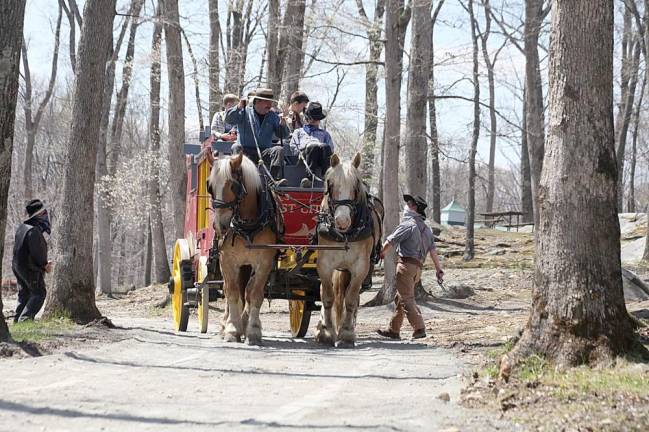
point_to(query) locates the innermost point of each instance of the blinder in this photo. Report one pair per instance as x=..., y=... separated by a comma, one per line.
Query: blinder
x=239, y=191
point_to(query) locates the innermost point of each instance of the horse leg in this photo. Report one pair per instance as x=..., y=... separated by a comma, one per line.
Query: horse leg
x=254, y=300
x=347, y=334
x=244, y=277
x=232, y=331
x=325, y=331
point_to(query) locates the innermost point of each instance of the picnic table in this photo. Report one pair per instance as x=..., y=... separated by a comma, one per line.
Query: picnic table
x=493, y=218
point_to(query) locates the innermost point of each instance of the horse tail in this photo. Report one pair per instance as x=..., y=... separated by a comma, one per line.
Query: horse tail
x=340, y=279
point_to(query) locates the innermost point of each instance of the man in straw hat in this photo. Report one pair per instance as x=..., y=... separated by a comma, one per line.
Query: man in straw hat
x=413, y=240
x=30, y=261
x=257, y=124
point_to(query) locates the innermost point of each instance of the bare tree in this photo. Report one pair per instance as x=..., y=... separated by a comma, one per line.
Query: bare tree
x=12, y=14
x=374, y=30
x=418, y=76
x=527, y=202
x=176, y=75
x=535, y=117
x=74, y=288
x=629, y=73
x=469, y=251
x=32, y=122
x=397, y=18
x=433, y=192
x=71, y=12
x=294, y=59
x=578, y=313
x=631, y=204
x=215, y=69
x=104, y=216
x=159, y=247
x=273, y=64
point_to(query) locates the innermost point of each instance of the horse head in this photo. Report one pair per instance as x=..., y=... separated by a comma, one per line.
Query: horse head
x=345, y=191
x=230, y=181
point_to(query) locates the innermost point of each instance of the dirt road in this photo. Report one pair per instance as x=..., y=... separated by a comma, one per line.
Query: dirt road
x=154, y=379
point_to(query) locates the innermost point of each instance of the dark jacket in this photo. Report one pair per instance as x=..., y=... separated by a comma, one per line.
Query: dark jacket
x=30, y=250
x=264, y=131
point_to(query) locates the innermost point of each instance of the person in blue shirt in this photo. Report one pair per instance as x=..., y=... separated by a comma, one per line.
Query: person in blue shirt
x=314, y=144
x=257, y=125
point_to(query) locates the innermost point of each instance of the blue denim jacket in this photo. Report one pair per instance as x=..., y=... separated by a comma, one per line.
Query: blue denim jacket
x=264, y=131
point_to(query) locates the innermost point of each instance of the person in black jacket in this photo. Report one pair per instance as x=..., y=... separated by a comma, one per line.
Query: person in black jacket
x=30, y=261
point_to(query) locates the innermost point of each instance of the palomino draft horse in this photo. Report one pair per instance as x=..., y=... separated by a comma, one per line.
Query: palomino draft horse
x=244, y=215
x=352, y=217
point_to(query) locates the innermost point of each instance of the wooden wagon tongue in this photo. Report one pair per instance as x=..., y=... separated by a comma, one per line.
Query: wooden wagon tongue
x=285, y=246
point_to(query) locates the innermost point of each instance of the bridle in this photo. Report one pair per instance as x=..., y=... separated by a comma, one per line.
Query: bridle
x=333, y=204
x=238, y=189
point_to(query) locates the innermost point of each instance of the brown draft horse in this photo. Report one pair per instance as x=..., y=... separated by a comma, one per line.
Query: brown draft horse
x=342, y=272
x=234, y=184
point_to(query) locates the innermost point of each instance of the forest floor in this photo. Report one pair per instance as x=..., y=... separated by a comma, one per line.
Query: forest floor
x=156, y=379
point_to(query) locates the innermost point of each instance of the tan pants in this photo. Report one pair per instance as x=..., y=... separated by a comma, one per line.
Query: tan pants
x=407, y=277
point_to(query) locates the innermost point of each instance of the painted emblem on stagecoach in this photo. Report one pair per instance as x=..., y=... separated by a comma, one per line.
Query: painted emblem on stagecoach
x=302, y=232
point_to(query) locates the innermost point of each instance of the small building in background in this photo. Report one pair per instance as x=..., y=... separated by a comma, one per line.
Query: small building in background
x=453, y=214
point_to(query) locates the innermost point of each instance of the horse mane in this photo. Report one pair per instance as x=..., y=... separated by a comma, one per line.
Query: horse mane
x=251, y=178
x=343, y=172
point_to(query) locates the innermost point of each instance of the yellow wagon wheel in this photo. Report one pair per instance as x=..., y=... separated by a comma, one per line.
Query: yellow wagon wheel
x=300, y=315
x=203, y=295
x=179, y=296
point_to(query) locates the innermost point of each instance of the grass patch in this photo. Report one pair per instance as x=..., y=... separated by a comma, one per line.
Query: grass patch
x=601, y=381
x=39, y=330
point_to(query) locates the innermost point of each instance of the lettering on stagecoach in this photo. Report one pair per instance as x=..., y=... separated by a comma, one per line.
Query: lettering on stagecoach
x=289, y=207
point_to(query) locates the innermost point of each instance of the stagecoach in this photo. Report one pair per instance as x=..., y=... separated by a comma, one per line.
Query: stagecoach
x=196, y=278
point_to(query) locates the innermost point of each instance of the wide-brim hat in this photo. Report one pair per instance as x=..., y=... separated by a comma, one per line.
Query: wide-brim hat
x=314, y=111
x=264, y=94
x=34, y=208
x=419, y=202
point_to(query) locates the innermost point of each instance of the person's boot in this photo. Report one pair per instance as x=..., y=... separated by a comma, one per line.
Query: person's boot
x=388, y=334
x=419, y=334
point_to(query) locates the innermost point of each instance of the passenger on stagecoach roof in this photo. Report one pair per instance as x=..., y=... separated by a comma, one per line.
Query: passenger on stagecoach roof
x=296, y=110
x=256, y=126
x=314, y=144
x=221, y=130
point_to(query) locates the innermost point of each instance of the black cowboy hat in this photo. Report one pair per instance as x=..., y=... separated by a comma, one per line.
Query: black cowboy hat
x=314, y=111
x=34, y=208
x=419, y=202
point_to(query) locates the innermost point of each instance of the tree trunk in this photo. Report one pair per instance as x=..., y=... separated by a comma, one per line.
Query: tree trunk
x=273, y=76
x=434, y=195
x=294, y=55
x=374, y=30
x=148, y=256
x=527, y=204
x=418, y=76
x=161, y=263
x=395, y=25
x=631, y=207
x=215, y=70
x=534, y=92
x=104, y=245
x=578, y=313
x=12, y=13
x=176, y=75
x=469, y=251
x=624, y=115
x=32, y=123
x=74, y=287
x=493, y=124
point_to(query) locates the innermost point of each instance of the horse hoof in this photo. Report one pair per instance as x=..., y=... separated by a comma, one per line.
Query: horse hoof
x=253, y=340
x=345, y=344
x=229, y=337
x=323, y=337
